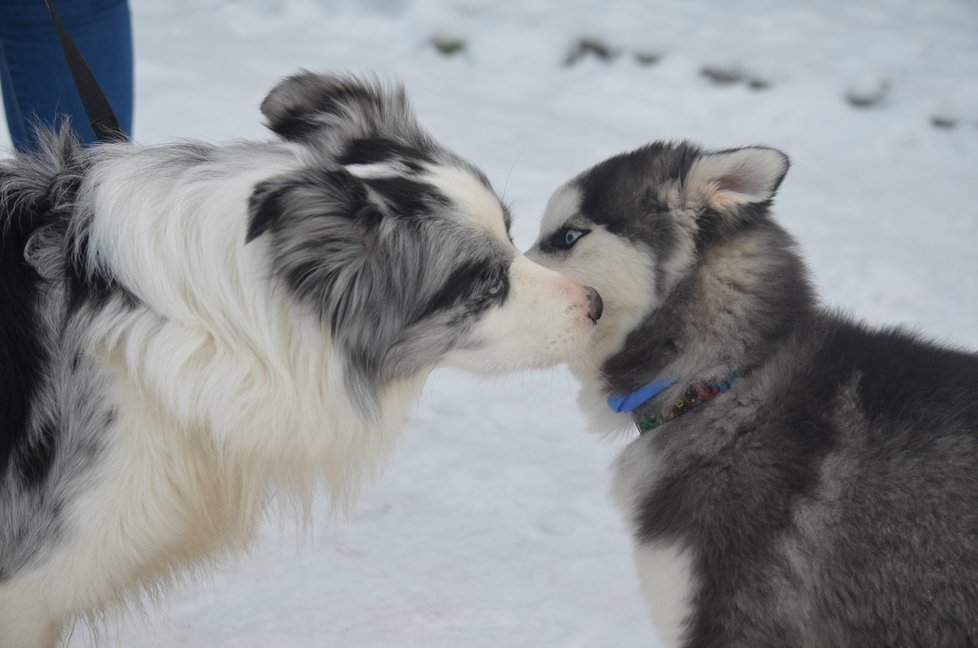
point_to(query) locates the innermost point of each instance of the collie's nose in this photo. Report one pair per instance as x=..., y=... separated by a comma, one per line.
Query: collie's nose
x=595, y=306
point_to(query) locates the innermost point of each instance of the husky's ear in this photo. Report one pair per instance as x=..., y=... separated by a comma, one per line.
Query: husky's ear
x=731, y=179
x=331, y=111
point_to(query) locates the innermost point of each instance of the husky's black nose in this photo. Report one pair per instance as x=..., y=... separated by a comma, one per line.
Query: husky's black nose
x=594, y=305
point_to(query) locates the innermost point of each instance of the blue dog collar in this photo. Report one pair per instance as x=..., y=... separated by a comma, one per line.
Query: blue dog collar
x=696, y=394
x=642, y=395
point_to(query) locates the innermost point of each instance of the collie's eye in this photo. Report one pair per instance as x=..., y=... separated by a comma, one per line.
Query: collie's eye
x=495, y=288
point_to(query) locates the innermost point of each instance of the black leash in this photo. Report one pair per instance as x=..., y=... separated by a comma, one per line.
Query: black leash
x=100, y=115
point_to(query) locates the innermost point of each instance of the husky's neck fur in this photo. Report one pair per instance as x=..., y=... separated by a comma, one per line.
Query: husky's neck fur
x=744, y=296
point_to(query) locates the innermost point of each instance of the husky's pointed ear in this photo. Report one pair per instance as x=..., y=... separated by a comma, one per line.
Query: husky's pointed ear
x=731, y=179
x=331, y=111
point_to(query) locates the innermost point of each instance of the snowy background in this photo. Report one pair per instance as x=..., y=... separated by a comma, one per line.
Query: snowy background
x=492, y=525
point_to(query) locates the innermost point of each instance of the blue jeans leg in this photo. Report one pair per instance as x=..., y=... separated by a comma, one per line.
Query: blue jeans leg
x=36, y=82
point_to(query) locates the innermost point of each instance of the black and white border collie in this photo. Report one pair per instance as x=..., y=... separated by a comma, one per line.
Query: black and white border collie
x=184, y=326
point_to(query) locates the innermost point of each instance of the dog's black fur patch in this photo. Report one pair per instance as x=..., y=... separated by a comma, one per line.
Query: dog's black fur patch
x=21, y=353
x=382, y=149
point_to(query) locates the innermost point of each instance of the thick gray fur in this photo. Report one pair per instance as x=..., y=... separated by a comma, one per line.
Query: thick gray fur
x=830, y=499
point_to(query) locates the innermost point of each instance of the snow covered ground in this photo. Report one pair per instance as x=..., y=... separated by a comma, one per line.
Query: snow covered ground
x=492, y=525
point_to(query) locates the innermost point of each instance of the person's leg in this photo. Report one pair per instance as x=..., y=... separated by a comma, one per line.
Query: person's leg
x=37, y=84
x=15, y=122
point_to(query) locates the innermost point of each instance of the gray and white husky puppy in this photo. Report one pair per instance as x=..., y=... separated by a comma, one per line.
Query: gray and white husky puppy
x=799, y=479
x=184, y=326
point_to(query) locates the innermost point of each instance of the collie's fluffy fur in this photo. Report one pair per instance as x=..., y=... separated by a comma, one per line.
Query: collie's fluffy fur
x=830, y=498
x=183, y=327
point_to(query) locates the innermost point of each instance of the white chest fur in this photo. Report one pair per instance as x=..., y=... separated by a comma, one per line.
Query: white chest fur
x=664, y=570
x=664, y=578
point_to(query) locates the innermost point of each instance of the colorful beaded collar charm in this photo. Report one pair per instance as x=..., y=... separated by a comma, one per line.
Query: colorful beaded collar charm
x=696, y=394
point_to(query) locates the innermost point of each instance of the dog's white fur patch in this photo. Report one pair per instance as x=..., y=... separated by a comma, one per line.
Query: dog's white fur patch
x=664, y=579
x=564, y=204
x=471, y=196
x=664, y=570
x=543, y=321
x=386, y=169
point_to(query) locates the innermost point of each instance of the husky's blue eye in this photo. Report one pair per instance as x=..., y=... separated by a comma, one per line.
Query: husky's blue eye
x=563, y=239
x=571, y=237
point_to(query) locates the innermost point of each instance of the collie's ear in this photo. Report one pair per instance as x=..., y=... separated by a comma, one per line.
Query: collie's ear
x=324, y=237
x=332, y=111
x=731, y=179
x=301, y=200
